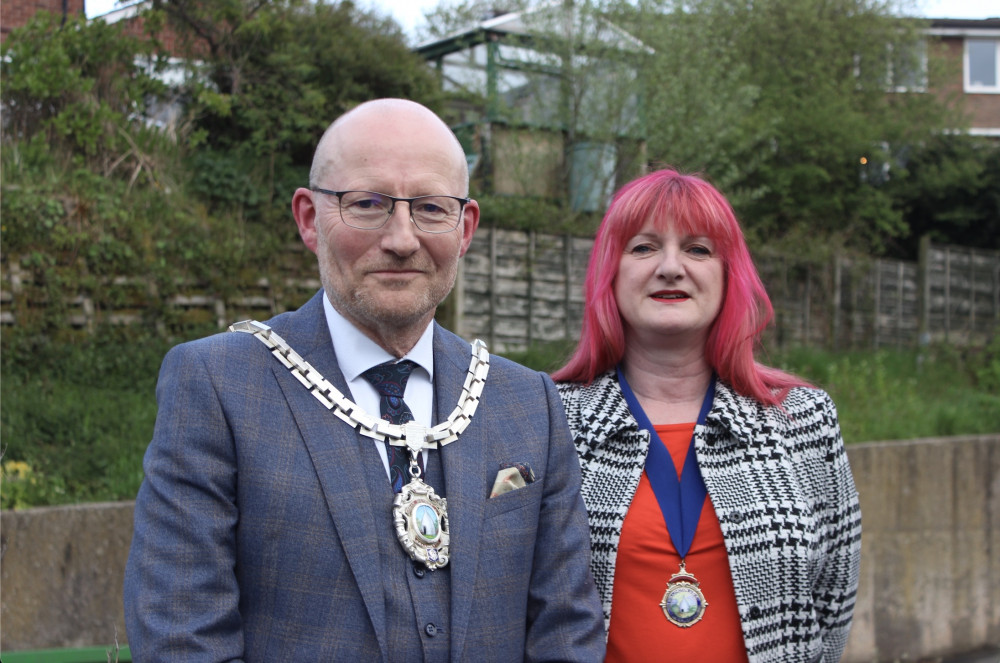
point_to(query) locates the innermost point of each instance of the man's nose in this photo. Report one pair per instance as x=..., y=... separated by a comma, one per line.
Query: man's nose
x=399, y=234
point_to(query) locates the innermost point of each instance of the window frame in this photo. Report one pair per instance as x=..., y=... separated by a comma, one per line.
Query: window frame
x=966, y=67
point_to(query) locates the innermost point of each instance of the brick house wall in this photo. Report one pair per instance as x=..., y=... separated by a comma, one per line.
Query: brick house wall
x=983, y=109
x=17, y=13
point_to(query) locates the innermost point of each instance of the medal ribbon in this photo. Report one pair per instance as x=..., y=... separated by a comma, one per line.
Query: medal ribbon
x=681, y=500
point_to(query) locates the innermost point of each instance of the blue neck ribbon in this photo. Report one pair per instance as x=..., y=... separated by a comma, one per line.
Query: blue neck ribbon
x=681, y=500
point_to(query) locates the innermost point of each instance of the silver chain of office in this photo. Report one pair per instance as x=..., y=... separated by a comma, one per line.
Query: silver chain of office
x=413, y=436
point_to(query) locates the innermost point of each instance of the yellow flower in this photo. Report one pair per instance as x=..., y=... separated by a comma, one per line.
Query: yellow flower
x=16, y=469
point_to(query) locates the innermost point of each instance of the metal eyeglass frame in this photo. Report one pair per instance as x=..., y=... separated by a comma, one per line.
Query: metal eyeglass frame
x=396, y=199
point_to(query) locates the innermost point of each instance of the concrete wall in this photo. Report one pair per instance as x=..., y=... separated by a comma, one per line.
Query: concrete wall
x=61, y=576
x=930, y=570
x=930, y=561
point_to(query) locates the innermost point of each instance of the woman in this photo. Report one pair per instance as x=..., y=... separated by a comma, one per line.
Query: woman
x=763, y=568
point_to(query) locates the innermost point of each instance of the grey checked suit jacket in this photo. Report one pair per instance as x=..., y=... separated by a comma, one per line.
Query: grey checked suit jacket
x=254, y=528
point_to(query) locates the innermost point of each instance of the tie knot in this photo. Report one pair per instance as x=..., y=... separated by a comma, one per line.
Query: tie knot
x=389, y=379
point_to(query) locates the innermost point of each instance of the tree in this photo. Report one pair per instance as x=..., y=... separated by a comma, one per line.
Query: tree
x=950, y=192
x=80, y=89
x=780, y=103
x=268, y=76
x=93, y=202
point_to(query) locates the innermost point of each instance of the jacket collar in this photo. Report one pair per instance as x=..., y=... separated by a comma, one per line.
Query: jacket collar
x=732, y=418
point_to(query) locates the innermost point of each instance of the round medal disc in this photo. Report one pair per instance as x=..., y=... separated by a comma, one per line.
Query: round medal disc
x=683, y=603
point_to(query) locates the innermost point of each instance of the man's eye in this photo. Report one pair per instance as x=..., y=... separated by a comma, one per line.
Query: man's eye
x=367, y=203
x=430, y=209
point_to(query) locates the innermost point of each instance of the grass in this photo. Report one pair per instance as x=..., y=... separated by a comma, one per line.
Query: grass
x=906, y=394
x=75, y=417
x=883, y=395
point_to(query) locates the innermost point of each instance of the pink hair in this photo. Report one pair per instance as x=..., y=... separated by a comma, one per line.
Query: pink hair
x=692, y=206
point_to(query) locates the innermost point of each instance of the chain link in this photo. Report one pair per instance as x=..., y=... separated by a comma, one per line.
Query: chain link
x=331, y=398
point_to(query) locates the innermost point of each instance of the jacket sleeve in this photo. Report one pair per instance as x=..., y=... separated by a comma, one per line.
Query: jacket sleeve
x=565, y=622
x=180, y=593
x=836, y=587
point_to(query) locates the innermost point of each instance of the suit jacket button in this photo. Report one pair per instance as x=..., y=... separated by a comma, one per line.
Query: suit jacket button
x=755, y=612
x=431, y=630
x=419, y=570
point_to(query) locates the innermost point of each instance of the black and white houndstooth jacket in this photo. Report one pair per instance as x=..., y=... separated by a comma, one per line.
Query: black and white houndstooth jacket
x=782, y=489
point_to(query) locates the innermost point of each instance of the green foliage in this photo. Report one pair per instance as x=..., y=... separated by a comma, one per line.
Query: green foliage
x=76, y=416
x=268, y=78
x=116, y=214
x=987, y=366
x=73, y=234
x=777, y=103
x=539, y=214
x=22, y=487
x=950, y=192
x=82, y=87
x=544, y=356
x=893, y=395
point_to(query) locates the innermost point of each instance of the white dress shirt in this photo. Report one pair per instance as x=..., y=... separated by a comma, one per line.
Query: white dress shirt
x=356, y=353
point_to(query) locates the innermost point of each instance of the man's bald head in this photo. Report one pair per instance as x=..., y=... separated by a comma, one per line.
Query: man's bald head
x=385, y=114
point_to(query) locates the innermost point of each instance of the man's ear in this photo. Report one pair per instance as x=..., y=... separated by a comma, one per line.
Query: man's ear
x=304, y=211
x=470, y=221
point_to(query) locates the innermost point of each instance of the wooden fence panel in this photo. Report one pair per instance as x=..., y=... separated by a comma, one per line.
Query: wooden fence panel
x=516, y=288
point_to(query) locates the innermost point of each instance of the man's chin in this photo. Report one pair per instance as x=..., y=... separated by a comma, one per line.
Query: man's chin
x=398, y=310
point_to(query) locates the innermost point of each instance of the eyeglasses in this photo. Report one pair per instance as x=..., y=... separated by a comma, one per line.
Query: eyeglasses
x=369, y=210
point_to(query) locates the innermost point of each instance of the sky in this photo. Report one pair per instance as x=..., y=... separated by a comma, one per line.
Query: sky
x=410, y=13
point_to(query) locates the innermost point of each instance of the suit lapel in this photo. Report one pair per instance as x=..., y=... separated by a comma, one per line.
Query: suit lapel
x=464, y=468
x=334, y=450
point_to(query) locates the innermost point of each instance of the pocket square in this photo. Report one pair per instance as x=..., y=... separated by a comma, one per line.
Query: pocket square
x=512, y=477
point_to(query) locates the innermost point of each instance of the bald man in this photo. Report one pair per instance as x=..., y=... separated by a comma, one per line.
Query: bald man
x=351, y=481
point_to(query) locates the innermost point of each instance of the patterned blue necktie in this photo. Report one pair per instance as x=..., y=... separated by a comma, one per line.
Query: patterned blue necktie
x=389, y=380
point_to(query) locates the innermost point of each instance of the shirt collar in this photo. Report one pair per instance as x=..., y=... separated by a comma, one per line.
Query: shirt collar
x=356, y=353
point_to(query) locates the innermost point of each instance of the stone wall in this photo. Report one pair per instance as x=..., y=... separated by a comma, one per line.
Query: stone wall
x=930, y=570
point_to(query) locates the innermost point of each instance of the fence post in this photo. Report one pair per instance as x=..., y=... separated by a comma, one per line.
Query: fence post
x=568, y=290
x=972, y=293
x=493, y=287
x=924, y=285
x=836, y=313
x=996, y=293
x=877, y=336
x=900, y=275
x=807, y=306
x=531, y=285
x=947, y=294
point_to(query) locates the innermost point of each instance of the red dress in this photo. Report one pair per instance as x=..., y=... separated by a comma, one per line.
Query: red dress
x=646, y=559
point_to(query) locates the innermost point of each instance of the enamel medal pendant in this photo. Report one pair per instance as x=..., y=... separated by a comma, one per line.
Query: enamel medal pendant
x=421, y=521
x=683, y=603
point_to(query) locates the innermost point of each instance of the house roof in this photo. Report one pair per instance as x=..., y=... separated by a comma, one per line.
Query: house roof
x=526, y=25
x=965, y=27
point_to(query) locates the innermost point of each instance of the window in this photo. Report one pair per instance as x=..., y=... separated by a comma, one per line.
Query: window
x=907, y=67
x=982, y=57
x=901, y=67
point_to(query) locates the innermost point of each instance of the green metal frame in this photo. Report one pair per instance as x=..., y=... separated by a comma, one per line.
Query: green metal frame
x=80, y=655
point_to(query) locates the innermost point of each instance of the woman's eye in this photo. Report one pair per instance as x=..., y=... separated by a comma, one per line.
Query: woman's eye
x=641, y=248
x=700, y=250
